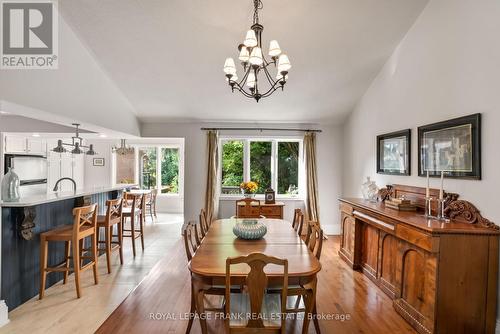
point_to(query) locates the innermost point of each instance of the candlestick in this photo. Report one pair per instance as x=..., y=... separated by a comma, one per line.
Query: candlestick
x=427, y=190
x=442, y=184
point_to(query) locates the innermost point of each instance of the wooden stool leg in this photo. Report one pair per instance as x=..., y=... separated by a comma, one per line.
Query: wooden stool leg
x=95, y=254
x=107, y=231
x=76, y=266
x=81, y=247
x=132, y=232
x=315, y=319
x=142, y=219
x=154, y=204
x=43, y=265
x=120, y=241
x=151, y=211
x=67, y=252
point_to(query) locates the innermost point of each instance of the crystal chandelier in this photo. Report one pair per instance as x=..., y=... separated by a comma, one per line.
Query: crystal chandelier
x=123, y=149
x=254, y=63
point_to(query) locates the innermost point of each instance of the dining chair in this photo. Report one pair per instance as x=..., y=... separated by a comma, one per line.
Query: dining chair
x=191, y=244
x=295, y=220
x=300, y=223
x=314, y=242
x=151, y=204
x=134, y=208
x=84, y=226
x=248, y=208
x=112, y=218
x=204, y=225
x=253, y=299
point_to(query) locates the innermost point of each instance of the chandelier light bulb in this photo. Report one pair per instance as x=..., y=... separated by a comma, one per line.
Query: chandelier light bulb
x=256, y=56
x=251, y=80
x=229, y=67
x=244, y=54
x=284, y=63
x=251, y=39
x=274, y=49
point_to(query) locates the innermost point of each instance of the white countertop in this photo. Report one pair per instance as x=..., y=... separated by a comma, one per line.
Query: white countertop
x=63, y=195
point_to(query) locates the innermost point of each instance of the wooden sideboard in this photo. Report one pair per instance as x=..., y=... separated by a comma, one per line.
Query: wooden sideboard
x=442, y=276
x=272, y=211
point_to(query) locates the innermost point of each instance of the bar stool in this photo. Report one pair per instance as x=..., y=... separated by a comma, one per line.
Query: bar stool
x=113, y=217
x=133, y=208
x=84, y=226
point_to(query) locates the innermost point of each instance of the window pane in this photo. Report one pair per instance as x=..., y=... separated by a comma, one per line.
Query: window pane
x=260, y=164
x=232, y=166
x=288, y=168
x=169, y=170
x=147, y=167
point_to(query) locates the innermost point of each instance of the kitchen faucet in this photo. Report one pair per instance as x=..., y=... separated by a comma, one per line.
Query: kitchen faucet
x=56, y=187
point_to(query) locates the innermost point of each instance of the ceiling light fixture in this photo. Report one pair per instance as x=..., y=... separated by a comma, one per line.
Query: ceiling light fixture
x=123, y=149
x=77, y=144
x=254, y=63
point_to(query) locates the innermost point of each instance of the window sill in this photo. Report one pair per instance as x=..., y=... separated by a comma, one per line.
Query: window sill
x=279, y=199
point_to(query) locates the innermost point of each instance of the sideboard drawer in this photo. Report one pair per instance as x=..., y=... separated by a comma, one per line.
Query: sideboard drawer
x=416, y=238
x=346, y=208
x=269, y=211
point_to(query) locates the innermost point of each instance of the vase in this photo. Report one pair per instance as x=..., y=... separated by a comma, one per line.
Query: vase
x=370, y=190
x=247, y=195
x=10, y=186
x=249, y=229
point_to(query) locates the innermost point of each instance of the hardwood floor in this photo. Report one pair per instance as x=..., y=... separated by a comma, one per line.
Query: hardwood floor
x=157, y=282
x=158, y=303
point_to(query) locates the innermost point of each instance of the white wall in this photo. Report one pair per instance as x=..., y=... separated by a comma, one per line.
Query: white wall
x=99, y=175
x=329, y=166
x=447, y=66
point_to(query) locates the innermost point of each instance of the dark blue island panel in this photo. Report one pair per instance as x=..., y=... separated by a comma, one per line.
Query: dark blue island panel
x=20, y=278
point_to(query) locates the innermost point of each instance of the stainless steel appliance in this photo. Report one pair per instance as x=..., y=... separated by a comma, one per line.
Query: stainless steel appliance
x=32, y=172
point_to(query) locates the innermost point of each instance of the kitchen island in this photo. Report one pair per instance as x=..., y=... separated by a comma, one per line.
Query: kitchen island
x=22, y=222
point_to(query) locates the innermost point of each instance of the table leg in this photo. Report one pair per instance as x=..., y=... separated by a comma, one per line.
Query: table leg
x=191, y=311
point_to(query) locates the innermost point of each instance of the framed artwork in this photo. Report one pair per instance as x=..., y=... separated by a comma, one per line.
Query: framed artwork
x=452, y=146
x=394, y=153
x=99, y=162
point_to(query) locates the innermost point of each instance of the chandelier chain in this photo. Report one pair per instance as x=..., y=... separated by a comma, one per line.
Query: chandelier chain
x=257, y=4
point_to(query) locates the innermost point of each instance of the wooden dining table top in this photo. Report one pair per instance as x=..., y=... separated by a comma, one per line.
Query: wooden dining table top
x=281, y=241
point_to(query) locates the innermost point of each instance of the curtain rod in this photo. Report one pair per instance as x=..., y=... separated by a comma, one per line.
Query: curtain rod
x=261, y=129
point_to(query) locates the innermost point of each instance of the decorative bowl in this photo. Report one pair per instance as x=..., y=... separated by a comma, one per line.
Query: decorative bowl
x=249, y=229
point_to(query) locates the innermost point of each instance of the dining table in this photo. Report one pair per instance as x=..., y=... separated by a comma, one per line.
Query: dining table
x=208, y=265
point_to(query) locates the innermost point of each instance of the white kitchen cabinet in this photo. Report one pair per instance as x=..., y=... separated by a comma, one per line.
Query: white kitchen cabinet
x=15, y=144
x=23, y=145
x=36, y=146
x=65, y=165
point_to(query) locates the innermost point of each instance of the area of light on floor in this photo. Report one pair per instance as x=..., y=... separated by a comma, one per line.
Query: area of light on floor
x=61, y=312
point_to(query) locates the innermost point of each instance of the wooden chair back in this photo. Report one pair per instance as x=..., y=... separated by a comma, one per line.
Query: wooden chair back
x=131, y=201
x=84, y=217
x=248, y=208
x=300, y=223
x=255, y=285
x=204, y=226
x=191, y=240
x=114, y=209
x=295, y=222
x=314, y=239
x=153, y=195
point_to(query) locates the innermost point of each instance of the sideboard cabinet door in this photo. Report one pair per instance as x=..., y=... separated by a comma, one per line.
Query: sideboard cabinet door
x=347, y=242
x=417, y=273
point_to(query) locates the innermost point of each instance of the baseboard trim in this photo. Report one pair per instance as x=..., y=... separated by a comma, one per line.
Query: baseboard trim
x=4, y=313
x=331, y=229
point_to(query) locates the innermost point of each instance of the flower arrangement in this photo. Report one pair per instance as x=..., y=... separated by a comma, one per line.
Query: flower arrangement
x=249, y=187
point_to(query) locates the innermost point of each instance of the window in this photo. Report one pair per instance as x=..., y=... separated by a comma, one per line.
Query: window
x=169, y=170
x=147, y=167
x=232, y=166
x=272, y=163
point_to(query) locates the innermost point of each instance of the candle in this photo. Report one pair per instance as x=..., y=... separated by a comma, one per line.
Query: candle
x=442, y=182
x=427, y=190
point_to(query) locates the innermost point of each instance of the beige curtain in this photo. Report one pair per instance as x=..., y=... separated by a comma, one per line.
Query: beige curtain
x=311, y=176
x=212, y=189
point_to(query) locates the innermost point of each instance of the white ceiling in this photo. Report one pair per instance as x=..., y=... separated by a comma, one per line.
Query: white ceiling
x=167, y=56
